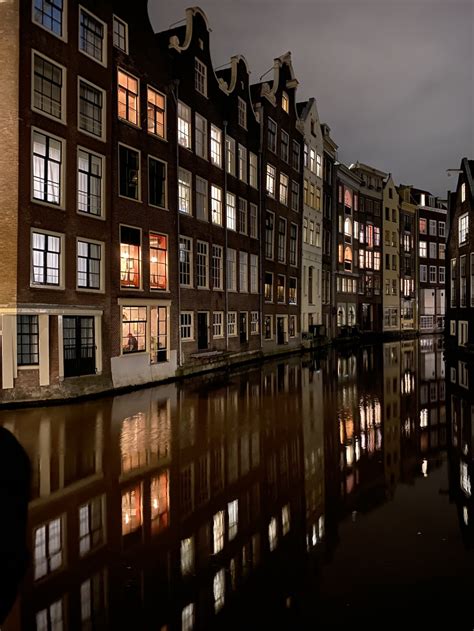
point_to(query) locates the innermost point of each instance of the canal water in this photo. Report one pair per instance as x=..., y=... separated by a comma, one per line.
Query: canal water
x=312, y=492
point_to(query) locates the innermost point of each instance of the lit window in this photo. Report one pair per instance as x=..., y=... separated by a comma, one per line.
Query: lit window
x=271, y=179
x=184, y=125
x=200, y=77
x=130, y=257
x=230, y=155
x=132, y=509
x=184, y=191
x=128, y=98
x=423, y=249
x=285, y=519
x=463, y=192
x=120, y=34
x=134, y=321
x=46, y=253
x=47, y=167
x=51, y=617
x=159, y=500
x=187, y=618
x=158, y=261
x=422, y=226
x=292, y=295
x=156, y=112
x=91, y=109
x=216, y=205
x=48, y=552
x=463, y=228
x=89, y=257
x=187, y=556
x=233, y=513
x=91, y=36
x=218, y=532
x=48, y=84
x=272, y=534
x=49, y=14
x=216, y=146
x=89, y=182
x=284, y=189
x=91, y=530
x=253, y=170
x=219, y=590
x=242, y=163
x=285, y=102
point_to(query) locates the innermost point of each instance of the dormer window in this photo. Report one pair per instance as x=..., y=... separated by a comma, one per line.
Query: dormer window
x=463, y=192
x=200, y=77
x=285, y=102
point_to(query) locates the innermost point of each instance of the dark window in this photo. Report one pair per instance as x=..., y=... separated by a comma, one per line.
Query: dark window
x=88, y=265
x=90, y=109
x=295, y=155
x=272, y=135
x=49, y=13
x=47, y=87
x=157, y=182
x=27, y=340
x=129, y=172
x=89, y=183
x=91, y=36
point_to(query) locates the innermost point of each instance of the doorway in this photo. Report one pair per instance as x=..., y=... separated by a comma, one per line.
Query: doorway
x=203, y=330
x=79, y=345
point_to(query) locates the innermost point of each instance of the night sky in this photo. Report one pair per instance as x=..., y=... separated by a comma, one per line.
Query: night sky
x=394, y=79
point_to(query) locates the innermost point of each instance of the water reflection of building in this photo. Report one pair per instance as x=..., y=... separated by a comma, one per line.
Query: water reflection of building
x=162, y=504
x=391, y=424
x=432, y=396
x=460, y=404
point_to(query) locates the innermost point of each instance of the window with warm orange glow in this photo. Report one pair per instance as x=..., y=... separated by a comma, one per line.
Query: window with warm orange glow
x=132, y=514
x=128, y=98
x=159, y=498
x=130, y=257
x=158, y=261
x=156, y=108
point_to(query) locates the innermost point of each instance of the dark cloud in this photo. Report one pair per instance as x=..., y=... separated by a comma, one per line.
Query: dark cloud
x=394, y=79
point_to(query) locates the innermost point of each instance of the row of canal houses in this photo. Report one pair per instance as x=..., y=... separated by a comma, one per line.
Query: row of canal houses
x=162, y=217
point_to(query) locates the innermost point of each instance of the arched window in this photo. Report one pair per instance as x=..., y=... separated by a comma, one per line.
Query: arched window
x=348, y=258
x=310, y=285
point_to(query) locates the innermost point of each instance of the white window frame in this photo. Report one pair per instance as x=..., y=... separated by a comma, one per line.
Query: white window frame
x=133, y=199
x=64, y=22
x=243, y=165
x=165, y=113
x=200, y=74
x=101, y=288
x=62, y=240
x=232, y=324
x=243, y=272
x=233, y=285
x=230, y=155
x=189, y=186
x=62, y=173
x=191, y=261
x=205, y=254
x=63, y=118
x=200, y=130
x=253, y=169
x=115, y=18
x=464, y=231
x=242, y=112
x=218, y=325
x=254, y=322
x=102, y=184
x=103, y=135
x=216, y=215
x=253, y=221
x=186, y=124
x=220, y=258
x=202, y=182
x=190, y=325
x=103, y=61
x=254, y=273
x=216, y=146
x=231, y=212
x=269, y=177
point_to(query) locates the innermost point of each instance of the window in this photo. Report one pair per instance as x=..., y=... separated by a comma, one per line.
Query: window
x=231, y=214
x=441, y=275
x=422, y=226
x=377, y=261
x=92, y=32
x=295, y=155
x=184, y=191
x=472, y=278
x=242, y=216
x=283, y=189
x=134, y=320
x=242, y=112
x=312, y=161
x=185, y=261
x=47, y=166
x=48, y=87
x=292, y=297
x=268, y=288
x=281, y=240
x=269, y=235
x=158, y=261
x=130, y=258
x=285, y=102
x=231, y=269
x=441, y=229
x=243, y=272
x=280, y=288
x=433, y=269
x=285, y=146
x=202, y=265
x=46, y=254
x=129, y=172
x=319, y=167
x=216, y=146
x=184, y=125
x=201, y=198
x=91, y=531
x=433, y=250
x=89, y=258
x=156, y=113
x=442, y=251
x=453, y=282
x=268, y=327
x=200, y=136
x=186, y=325
x=217, y=268
x=216, y=204
x=272, y=135
x=49, y=14
x=48, y=552
x=242, y=163
x=271, y=179
x=423, y=249
x=462, y=341
x=432, y=227
x=423, y=273
x=253, y=221
x=463, y=228
x=292, y=327
x=218, y=324
x=253, y=170
x=200, y=77
x=463, y=192
x=254, y=323
x=128, y=98
x=89, y=182
x=293, y=243
x=27, y=336
x=463, y=280
x=91, y=109
x=254, y=273
x=120, y=34
x=295, y=196
x=230, y=155
x=231, y=323
x=156, y=182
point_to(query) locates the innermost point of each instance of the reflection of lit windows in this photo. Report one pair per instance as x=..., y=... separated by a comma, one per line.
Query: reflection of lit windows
x=465, y=515
x=132, y=518
x=272, y=534
x=187, y=556
x=285, y=519
x=159, y=499
x=90, y=525
x=357, y=449
x=218, y=531
x=233, y=510
x=465, y=479
x=51, y=617
x=48, y=555
x=92, y=602
x=187, y=618
x=424, y=418
x=424, y=468
x=219, y=590
x=321, y=526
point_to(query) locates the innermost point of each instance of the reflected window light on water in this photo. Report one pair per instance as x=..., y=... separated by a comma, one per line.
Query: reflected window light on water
x=285, y=519
x=424, y=468
x=218, y=531
x=424, y=418
x=187, y=618
x=159, y=499
x=132, y=517
x=272, y=534
x=219, y=590
x=233, y=514
x=465, y=515
x=51, y=617
x=187, y=556
x=465, y=479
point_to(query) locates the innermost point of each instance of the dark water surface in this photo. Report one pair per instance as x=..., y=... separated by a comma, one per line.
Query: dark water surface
x=307, y=493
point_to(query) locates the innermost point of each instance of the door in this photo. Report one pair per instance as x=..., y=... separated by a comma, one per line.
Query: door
x=202, y=331
x=243, y=327
x=79, y=346
x=280, y=331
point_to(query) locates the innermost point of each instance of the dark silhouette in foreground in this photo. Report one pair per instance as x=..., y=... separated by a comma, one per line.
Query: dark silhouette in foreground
x=15, y=473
